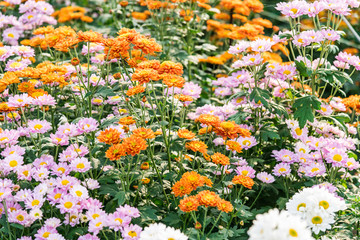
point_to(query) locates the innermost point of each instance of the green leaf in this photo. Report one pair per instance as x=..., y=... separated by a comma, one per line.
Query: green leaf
x=301, y=67
x=269, y=134
x=260, y=95
x=172, y=219
x=121, y=197
x=304, y=109
x=261, y=73
x=148, y=214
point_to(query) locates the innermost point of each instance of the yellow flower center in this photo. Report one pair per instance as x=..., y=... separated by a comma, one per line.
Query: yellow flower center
x=301, y=205
x=324, y=204
x=35, y=202
x=337, y=157
x=293, y=233
x=317, y=220
x=78, y=193
x=132, y=234
x=13, y=163
x=68, y=205
x=80, y=165
x=38, y=126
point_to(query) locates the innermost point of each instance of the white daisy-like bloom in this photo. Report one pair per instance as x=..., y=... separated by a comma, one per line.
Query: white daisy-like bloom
x=275, y=225
x=79, y=192
x=319, y=220
x=42, y=189
x=327, y=201
x=36, y=213
x=301, y=147
x=160, y=231
x=300, y=202
x=317, y=206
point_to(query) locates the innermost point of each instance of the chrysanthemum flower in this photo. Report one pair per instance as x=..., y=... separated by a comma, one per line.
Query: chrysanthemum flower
x=208, y=198
x=39, y=126
x=208, y=119
x=135, y=90
x=184, y=133
x=225, y=206
x=189, y=204
x=244, y=181
x=118, y=220
x=219, y=158
x=282, y=169
x=265, y=177
x=144, y=133
x=133, y=145
x=131, y=232
x=115, y=152
x=196, y=146
x=233, y=146
x=80, y=164
x=129, y=120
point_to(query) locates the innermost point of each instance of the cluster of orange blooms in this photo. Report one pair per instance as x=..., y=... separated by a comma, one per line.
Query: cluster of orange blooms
x=243, y=180
x=352, y=103
x=69, y=13
x=131, y=145
x=189, y=182
x=46, y=72
x=65, y=38
x=225, y=129
x=205, y=198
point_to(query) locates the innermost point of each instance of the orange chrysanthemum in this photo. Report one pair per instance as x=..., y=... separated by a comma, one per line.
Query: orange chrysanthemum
x=171, y=68
x=145, y=75
x=196, y=146
x=135, y=90
x=127, y=120
x=89, y=36
x=26, y=87
x=172, y=80
x=205, y=130
x=144, y=133
x=208, y=119
x=109, y=136
x=181, y=188
x=153, y=64
x=225, y=206
x=189, y=204
x=208, y=198
x=234, y=146
x=184, y=98
x=134, y=145
x=219, y=158
x=244, y=181
x=184, y=133
x=115, y=152
x=229, y=129
x=4, y=107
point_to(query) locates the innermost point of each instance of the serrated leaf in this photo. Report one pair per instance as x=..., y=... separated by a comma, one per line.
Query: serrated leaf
x=304, y=109
x=260, y=95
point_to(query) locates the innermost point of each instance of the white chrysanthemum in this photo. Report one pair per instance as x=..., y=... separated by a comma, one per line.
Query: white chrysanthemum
x=36, y=213
x=301, y=147
x=319, y=220
x=275, y=225
x=173, y=234
x=160, y=231
x=327, y=201
x=79, y=192
x=315, y=198
x=300, y=202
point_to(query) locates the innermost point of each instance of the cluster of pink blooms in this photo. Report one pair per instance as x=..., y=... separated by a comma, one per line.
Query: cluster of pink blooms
x=314, y=156
x=309, y=37
x=298, y=8
x=33, y=14
x=56, y=186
